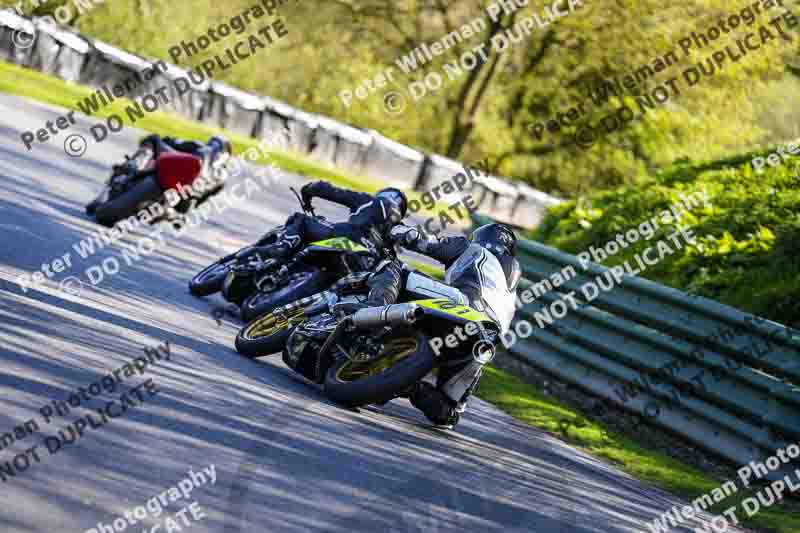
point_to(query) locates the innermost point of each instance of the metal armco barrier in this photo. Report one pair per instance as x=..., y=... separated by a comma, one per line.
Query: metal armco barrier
x=724, y=379
x=83, y=60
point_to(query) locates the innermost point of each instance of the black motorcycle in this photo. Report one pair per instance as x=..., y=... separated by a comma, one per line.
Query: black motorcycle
x=259, y=285
x=210, y=280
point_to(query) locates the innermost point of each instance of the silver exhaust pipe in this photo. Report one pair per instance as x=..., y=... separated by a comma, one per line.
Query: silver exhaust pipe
x=390, y=315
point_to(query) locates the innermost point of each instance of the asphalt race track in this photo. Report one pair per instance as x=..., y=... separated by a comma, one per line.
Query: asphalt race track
x=286, y=459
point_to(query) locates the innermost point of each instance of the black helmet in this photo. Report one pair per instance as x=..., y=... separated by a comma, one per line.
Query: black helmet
x=397, y=198
x=220, y=143
x=497, y=238
x=500, y=240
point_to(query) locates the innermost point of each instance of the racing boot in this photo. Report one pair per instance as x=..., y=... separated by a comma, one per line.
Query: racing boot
x=435, y=405
x=279, y=250
x=384, y=287
x=282, y=249
x=92, y=206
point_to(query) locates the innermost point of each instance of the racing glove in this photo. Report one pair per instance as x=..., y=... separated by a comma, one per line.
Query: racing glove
x=404, y=235
x=307, y=193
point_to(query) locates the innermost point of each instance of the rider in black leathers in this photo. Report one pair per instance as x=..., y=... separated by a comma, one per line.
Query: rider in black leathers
x=371, y=219
x=190, y=147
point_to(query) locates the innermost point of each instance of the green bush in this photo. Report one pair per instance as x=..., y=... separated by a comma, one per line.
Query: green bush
x=748, y=238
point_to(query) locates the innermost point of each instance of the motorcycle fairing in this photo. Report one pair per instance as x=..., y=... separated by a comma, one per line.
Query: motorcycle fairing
x=176, y=168
x=340, y=243
x=480, y=270
x=452, y=310
x=425, y=287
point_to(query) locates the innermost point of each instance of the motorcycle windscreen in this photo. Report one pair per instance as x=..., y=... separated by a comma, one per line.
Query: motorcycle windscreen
x=477, y=267
x=176, y=168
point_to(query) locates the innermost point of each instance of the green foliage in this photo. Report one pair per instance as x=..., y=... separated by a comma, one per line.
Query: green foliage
x=746, y=253
x=333, y=46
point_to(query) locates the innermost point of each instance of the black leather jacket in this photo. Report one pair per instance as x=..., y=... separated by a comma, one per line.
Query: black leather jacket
x=369, y=216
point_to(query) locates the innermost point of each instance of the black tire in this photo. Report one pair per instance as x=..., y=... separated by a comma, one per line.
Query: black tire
x=386, y=385
x=301, y=284
x=128, y=203
x=215, y=190
x=252, y=343
x=193, y=202
x=209, y=280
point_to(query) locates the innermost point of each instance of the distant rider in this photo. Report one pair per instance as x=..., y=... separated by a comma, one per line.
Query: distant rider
x=156, y=145
x=143, y=161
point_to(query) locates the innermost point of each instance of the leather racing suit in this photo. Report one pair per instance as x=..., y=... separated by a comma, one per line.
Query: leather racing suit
x=484, y=280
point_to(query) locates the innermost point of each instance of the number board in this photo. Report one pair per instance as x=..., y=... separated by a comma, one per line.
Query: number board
x=446, y=306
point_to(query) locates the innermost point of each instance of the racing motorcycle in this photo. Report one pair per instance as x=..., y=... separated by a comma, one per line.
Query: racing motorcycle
x=374, y=354
x=259, y=286
x=143, y=179
x=248, y=263
x=210, y=280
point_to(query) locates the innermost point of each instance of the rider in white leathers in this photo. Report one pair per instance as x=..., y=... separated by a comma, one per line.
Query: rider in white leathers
x=486, y=272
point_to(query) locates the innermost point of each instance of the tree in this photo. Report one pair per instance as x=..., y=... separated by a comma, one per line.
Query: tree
x=491, y=109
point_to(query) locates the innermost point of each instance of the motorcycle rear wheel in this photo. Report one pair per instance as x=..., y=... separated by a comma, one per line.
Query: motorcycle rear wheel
x=405, y=358
x=301, y=284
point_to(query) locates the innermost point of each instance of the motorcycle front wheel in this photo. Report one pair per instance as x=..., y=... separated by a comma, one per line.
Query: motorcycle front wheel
x=267, y=334
x=209, y=280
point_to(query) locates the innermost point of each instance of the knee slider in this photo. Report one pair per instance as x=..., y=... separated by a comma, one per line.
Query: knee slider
x=434, y=405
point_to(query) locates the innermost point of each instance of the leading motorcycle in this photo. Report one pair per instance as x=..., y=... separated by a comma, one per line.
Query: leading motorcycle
x=143, y=179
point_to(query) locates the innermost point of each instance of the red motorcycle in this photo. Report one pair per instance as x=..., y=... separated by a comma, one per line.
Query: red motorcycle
x=144, y=179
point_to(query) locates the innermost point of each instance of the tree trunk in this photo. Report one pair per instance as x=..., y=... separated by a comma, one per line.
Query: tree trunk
x=463, y=118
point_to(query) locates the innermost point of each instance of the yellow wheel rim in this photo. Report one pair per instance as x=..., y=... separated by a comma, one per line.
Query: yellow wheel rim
x=391, y=353
x=271, y=324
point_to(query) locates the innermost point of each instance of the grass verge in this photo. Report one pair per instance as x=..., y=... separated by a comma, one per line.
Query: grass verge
x=528, y=404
